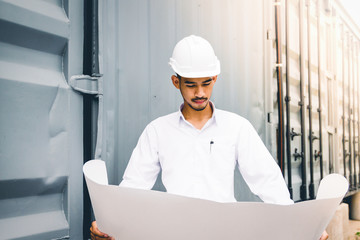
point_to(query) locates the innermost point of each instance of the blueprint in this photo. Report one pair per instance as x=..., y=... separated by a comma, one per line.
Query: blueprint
x=135, y=214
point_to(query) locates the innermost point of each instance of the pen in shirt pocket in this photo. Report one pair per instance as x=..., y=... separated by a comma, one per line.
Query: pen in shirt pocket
x=211, y=143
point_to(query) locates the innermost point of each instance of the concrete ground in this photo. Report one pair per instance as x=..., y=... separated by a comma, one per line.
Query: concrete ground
x=354, y=227
x=341, y=227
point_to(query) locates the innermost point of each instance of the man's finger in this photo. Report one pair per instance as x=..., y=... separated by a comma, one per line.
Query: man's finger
x=324, y=236
x=96, y=237
x=94, y=230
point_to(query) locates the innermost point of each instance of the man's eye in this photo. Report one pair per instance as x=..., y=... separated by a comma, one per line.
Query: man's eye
x=190, y=86
x=206, y=84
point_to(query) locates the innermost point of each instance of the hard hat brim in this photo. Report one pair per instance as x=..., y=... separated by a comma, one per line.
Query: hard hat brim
x=190, y=74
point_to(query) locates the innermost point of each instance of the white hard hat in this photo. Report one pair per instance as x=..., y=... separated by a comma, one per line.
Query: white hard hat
x=193, y=57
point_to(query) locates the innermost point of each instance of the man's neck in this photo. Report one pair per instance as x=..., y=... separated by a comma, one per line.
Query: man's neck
x=197, y=118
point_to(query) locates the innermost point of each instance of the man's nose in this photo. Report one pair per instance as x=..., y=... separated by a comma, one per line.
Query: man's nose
x=199, y=92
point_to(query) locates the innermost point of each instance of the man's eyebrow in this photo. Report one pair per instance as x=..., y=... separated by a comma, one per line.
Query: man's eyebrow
x=189, y=82
x=206, y=81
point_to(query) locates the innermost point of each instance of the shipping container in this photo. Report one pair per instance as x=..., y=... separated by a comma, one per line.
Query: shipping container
x=81, y=80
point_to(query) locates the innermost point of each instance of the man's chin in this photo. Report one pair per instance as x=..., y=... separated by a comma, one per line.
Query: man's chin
x=199, y=108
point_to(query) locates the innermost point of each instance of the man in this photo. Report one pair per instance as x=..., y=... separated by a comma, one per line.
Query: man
x=198, y=147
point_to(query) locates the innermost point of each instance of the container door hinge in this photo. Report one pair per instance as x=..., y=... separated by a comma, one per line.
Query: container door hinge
x=87, y=84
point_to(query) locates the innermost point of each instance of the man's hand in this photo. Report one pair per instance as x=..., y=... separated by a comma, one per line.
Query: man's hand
x=324, y=236
x=96, y=234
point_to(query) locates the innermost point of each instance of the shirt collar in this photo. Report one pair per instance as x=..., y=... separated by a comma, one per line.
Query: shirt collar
x=183, y=120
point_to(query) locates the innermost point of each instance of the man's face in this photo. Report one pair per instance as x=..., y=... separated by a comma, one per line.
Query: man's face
x=196, y=92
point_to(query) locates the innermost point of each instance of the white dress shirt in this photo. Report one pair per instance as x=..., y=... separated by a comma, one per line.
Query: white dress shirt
x=200, y=163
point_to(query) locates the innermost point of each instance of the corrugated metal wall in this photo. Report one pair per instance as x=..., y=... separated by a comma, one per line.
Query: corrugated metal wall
x=41, y=117
x=346, y=73
x=339, y=70
x=137, y=41
x=294, y=81
x=138, y=38
x=40, y=120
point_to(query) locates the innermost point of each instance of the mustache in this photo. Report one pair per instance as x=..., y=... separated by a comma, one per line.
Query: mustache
x=197, y=99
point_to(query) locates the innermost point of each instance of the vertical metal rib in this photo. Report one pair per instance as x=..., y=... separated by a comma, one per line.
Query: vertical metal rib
x=343, y=98
x=319, y=88
x=311, y=185
x=287, y=101
x=355, y=153
x=358, y=101
x=303, y=188
x=349, y=111
x=279, y=85
x=90, y=67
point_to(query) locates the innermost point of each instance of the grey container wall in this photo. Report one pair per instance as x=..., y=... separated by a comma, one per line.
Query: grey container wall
x=333, y=18
x=41, y=44
x=138, y=38
x=137, y=41
x=40, y=120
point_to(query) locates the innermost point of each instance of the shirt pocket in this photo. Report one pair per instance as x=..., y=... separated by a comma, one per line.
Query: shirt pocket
x=222, y=157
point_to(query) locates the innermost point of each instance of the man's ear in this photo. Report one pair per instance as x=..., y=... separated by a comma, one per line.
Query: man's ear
x=214, y=78
x=175, y=81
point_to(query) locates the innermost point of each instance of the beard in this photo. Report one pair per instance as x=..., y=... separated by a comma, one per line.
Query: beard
x=198, y=108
